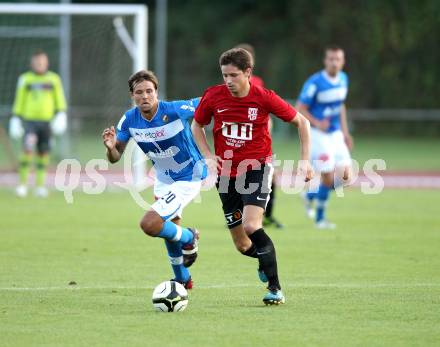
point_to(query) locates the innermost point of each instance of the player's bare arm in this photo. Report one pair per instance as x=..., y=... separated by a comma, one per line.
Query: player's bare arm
x=114, y=147
x=304, y=110
x=303, y=126
x=199, y=134
x=344, y=126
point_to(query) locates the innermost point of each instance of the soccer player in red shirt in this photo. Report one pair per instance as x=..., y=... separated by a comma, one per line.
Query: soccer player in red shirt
x=269, y=219
x=243, y=157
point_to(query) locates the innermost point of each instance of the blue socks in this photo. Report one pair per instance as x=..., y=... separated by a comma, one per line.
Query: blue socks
x=174, y=249
x=322, y=197
x=175, y=236
x=175, y=233
x=311, y=196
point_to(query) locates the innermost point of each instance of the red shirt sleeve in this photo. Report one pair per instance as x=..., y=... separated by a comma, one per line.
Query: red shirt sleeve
x=258, y=81
x=204, y=112
x=279, y=107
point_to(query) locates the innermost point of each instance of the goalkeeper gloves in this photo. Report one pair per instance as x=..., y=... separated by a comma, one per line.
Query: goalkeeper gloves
x=59, y=124
x=15, y=128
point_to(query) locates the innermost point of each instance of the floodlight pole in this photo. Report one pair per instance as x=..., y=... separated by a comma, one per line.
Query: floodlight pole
x=65, y=35
x=64, y=65
x=160, y=51
x=140, y=62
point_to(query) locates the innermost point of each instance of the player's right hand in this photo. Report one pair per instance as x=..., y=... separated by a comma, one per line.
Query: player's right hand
x=15, y=128
x=109, y=137
x=305, y=169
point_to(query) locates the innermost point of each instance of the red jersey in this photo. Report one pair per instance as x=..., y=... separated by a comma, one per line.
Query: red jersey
x=258, y=81
x=241, y=124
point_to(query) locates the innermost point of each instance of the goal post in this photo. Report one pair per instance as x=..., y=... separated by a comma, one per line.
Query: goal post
x=140, y=13
x=134, y=40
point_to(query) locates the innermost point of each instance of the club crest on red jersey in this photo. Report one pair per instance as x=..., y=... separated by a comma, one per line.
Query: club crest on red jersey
x=252, y=113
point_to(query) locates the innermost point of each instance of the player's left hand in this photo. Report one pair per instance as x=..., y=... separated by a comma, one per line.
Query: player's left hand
x=348, y=141
x=59, y=124
x=214, y=163
x=305, y=169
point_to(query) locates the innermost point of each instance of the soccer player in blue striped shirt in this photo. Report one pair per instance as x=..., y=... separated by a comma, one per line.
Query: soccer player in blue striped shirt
x=161, y=129
x=322, y=101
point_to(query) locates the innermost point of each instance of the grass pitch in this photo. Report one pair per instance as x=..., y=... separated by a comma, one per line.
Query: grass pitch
x=373, y=282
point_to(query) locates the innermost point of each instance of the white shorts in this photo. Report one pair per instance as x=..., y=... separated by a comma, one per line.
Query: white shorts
x=329, y=150
x=172, y=198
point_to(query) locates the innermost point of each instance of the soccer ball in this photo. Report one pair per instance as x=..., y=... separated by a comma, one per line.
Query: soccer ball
x=170, y=296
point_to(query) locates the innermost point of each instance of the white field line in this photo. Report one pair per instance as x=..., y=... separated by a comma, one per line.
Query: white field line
x=227, y=286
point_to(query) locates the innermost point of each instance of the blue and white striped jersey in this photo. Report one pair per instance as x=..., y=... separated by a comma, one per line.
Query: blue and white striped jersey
x=325, y=95
x=167, y=140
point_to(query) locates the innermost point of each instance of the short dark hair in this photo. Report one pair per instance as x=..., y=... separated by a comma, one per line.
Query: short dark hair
x=38, y=52
x=333, y=48
x=142, y=75
x=238, y=57
x=247, y=47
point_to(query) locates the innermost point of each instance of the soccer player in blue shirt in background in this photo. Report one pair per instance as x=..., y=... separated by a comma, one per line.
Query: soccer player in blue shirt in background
x=161, y=129
x=322, y=101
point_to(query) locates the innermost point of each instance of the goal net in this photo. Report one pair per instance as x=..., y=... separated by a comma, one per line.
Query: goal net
x=94, y=48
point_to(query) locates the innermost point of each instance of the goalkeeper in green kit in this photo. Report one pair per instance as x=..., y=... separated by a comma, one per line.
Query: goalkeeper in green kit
x=39, y=110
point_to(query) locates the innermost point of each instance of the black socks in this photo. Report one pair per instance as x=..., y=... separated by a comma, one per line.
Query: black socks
x=265, y=252
x=251, y=252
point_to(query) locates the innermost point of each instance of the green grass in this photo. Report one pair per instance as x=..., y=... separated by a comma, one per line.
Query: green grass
x=373, y=282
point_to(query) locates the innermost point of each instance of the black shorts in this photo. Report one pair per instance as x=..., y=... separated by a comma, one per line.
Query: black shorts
x=252, y=188
x=36, y=134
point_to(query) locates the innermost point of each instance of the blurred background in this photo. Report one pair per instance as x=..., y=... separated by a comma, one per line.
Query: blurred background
x=391, y=47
